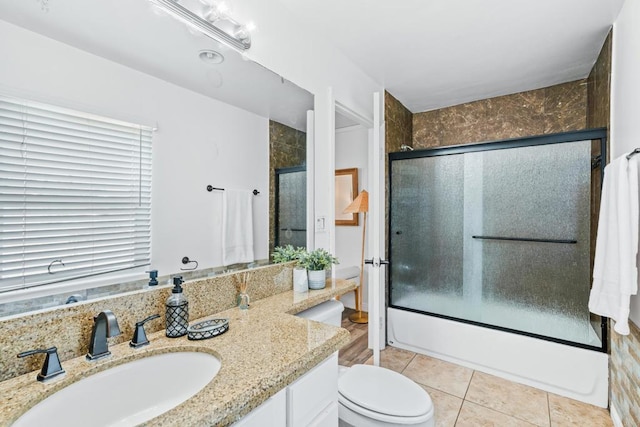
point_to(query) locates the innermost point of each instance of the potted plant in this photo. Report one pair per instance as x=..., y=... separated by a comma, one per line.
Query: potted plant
x=287, y=254
x=316, y=262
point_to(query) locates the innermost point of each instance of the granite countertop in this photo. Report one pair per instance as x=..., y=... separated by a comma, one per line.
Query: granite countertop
x=265, y=349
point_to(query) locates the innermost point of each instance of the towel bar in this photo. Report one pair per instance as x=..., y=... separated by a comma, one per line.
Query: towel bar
x=211, y=188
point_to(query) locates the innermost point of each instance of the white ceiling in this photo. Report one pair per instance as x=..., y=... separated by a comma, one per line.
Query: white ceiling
x=427, y=53
x=436, y=53
x=135, y=36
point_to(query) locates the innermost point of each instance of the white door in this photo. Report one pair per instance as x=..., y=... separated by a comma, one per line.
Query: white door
x=377, y=270
x=311, y=234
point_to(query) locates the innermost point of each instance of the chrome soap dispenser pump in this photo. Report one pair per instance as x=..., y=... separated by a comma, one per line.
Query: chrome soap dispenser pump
x=177, y=311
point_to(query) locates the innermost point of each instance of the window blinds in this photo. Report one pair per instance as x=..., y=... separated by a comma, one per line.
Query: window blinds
x=75, y=194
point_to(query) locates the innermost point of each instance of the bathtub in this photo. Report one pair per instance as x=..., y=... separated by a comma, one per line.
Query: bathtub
x=568, y=371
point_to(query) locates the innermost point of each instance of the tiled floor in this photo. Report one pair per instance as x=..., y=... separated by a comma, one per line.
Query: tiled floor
x=464, y=397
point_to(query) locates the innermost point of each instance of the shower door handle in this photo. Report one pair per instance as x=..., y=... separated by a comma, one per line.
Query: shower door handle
x=376, y=261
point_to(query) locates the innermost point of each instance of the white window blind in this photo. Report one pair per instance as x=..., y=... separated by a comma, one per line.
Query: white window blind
x=75, y=194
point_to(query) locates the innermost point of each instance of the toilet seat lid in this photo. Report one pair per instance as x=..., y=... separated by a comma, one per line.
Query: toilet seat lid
x=384, y=391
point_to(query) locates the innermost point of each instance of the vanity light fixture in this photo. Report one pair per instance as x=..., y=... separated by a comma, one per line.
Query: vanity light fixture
x=220, y=27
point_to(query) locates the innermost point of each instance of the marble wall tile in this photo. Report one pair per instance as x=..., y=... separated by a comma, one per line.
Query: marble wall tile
x=565, y=107
x=429, y=129
x=598, y=91
x=398, y=123
x=554, y=109
x=287, y=147
x=69, y=327
x=625, y=375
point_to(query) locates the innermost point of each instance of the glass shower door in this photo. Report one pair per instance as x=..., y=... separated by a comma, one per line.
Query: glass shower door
x=498, y=237
x=291, y=207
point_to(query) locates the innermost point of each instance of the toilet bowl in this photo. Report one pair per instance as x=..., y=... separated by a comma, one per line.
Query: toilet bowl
x=372, y=396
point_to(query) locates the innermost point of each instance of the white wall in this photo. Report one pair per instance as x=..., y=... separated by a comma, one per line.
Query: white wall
x=285, y=45
x=625, y=93
x=352, y=152
x=199, y=141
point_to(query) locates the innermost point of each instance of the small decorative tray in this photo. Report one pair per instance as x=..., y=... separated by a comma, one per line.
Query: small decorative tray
x=207, y=329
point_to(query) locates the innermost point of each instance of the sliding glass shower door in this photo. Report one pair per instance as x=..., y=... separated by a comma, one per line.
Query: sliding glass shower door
x=291, y=207
x=499, y=237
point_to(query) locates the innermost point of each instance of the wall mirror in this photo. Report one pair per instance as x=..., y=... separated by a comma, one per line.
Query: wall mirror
x=199, y=142
x=346, y=192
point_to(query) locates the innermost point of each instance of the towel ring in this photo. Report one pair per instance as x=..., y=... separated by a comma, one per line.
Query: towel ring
x=55, y=261
x=185, y=261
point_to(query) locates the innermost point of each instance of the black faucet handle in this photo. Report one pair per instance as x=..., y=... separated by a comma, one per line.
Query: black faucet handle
x=51, y=366
x=139, y=335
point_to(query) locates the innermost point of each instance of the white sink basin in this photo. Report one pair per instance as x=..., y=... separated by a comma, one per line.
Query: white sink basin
x=128, y=394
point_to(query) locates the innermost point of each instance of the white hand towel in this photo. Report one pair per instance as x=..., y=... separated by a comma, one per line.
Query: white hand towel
x=237, y=226
x=615, y=273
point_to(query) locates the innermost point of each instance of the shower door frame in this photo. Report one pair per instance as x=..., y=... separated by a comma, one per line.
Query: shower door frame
x=556, y=138
x=276, y=195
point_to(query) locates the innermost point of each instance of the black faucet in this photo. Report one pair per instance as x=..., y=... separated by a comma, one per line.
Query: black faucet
x=105, y=325
x=51, y=366
x=139, y=336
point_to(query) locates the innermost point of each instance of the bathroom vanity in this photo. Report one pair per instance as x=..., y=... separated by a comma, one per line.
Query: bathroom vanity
x=275, y=367
x=311, y=400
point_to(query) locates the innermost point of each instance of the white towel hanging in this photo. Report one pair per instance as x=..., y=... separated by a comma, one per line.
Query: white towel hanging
x=237, y=226
x=615, y=273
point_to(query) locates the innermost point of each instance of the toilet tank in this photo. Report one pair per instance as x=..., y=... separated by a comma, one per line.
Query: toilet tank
x=349, y=273
x=329, y=312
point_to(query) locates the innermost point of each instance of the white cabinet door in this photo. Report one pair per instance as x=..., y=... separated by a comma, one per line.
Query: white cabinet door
x=311, y=401
x=327, y=418
x=272, y=413
x=313, y=393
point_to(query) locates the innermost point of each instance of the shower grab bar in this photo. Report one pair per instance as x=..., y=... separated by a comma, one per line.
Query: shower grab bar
x=524, y=239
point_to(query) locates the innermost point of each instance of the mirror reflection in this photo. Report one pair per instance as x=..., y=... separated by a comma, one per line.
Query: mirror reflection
x=219, y=120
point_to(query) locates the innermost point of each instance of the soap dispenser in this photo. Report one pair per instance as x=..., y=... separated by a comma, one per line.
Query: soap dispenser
x=177, y=310
x=153, y=277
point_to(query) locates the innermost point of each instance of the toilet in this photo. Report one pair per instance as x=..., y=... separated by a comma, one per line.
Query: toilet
x=372, y=396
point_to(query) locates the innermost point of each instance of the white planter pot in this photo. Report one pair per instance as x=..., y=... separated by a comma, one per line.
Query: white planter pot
x=300, y=283
x=317, y=279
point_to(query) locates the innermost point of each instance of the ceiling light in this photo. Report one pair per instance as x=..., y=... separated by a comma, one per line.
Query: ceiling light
x=224, y=30
x=211, y=57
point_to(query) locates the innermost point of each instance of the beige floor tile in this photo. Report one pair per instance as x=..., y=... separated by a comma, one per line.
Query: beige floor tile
x=569, y=412
x=438, y=374
x=517, y=400
x=472, y=415
x=446, y=407
x=394, y=358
